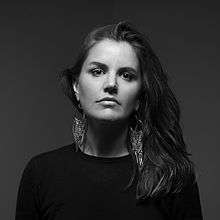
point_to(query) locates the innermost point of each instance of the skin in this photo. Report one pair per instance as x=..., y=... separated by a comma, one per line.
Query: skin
x=111, y=69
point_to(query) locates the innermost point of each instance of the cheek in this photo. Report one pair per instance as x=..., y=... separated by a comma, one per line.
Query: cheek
x=87, y=90
x=131, y=96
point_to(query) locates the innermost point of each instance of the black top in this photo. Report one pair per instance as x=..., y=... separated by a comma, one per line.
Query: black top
x=63, y=184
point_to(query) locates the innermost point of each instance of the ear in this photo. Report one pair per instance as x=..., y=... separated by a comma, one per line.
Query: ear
x=76, y=90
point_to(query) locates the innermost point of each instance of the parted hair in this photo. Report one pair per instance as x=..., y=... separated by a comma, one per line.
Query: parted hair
x=167, y=167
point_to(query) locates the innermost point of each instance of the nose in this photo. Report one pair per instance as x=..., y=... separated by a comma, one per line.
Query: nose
x=111, y=85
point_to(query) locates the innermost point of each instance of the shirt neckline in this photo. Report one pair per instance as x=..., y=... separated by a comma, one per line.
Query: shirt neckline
x=103, y=159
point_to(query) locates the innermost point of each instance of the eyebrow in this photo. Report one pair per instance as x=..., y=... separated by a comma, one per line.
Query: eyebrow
x=105, y=67
x=101, y=65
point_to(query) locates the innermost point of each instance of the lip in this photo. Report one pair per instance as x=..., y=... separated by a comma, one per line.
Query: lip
x=109, y=99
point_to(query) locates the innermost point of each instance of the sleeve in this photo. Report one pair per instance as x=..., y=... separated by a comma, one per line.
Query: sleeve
x=186, y=204
x=26, y=207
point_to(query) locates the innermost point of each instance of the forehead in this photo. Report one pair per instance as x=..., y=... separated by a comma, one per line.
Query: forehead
x=113, y=52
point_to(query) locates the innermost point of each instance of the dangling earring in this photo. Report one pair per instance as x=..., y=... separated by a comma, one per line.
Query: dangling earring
x=136, y=139
x=79, y=129
x=79, y=126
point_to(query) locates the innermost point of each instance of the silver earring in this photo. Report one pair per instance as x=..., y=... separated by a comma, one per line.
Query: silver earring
x=79, y=128
x=136, y=139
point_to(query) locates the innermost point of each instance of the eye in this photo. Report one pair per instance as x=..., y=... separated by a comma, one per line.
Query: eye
x=128, y=76
x=96, y=71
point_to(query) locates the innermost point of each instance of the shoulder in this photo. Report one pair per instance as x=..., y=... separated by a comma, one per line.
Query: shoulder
x=52, y=159
x=58, y=153
x=45, y=169
x=184, y=204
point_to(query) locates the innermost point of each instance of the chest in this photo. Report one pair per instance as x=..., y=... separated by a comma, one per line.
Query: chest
x=88, y=192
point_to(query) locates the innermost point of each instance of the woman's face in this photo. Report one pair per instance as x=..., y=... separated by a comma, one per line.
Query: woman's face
x=109, y=82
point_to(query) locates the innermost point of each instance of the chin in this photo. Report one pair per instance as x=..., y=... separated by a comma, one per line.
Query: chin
x=109, y=118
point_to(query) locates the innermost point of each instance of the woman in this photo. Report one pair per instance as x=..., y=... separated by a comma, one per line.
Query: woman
x=128, y=159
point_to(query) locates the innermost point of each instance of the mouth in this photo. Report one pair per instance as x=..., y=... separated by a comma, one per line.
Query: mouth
x=109, y=100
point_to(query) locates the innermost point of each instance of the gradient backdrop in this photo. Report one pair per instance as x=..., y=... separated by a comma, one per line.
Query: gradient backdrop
x=39, y=39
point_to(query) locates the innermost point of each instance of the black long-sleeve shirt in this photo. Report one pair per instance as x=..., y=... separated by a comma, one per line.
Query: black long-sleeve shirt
x=63, y=184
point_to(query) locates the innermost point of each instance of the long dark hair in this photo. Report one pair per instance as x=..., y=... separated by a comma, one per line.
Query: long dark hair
x=166, y=164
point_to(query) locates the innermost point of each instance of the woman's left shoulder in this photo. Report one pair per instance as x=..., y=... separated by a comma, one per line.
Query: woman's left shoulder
x=184, y=204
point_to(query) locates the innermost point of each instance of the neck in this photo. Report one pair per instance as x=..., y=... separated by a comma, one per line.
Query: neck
x=106, y=139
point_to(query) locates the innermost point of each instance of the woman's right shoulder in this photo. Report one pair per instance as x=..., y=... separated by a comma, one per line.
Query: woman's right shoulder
x=53, y=158
x=45, y=168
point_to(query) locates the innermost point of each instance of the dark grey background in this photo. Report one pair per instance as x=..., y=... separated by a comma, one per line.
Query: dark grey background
x=39, y=39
